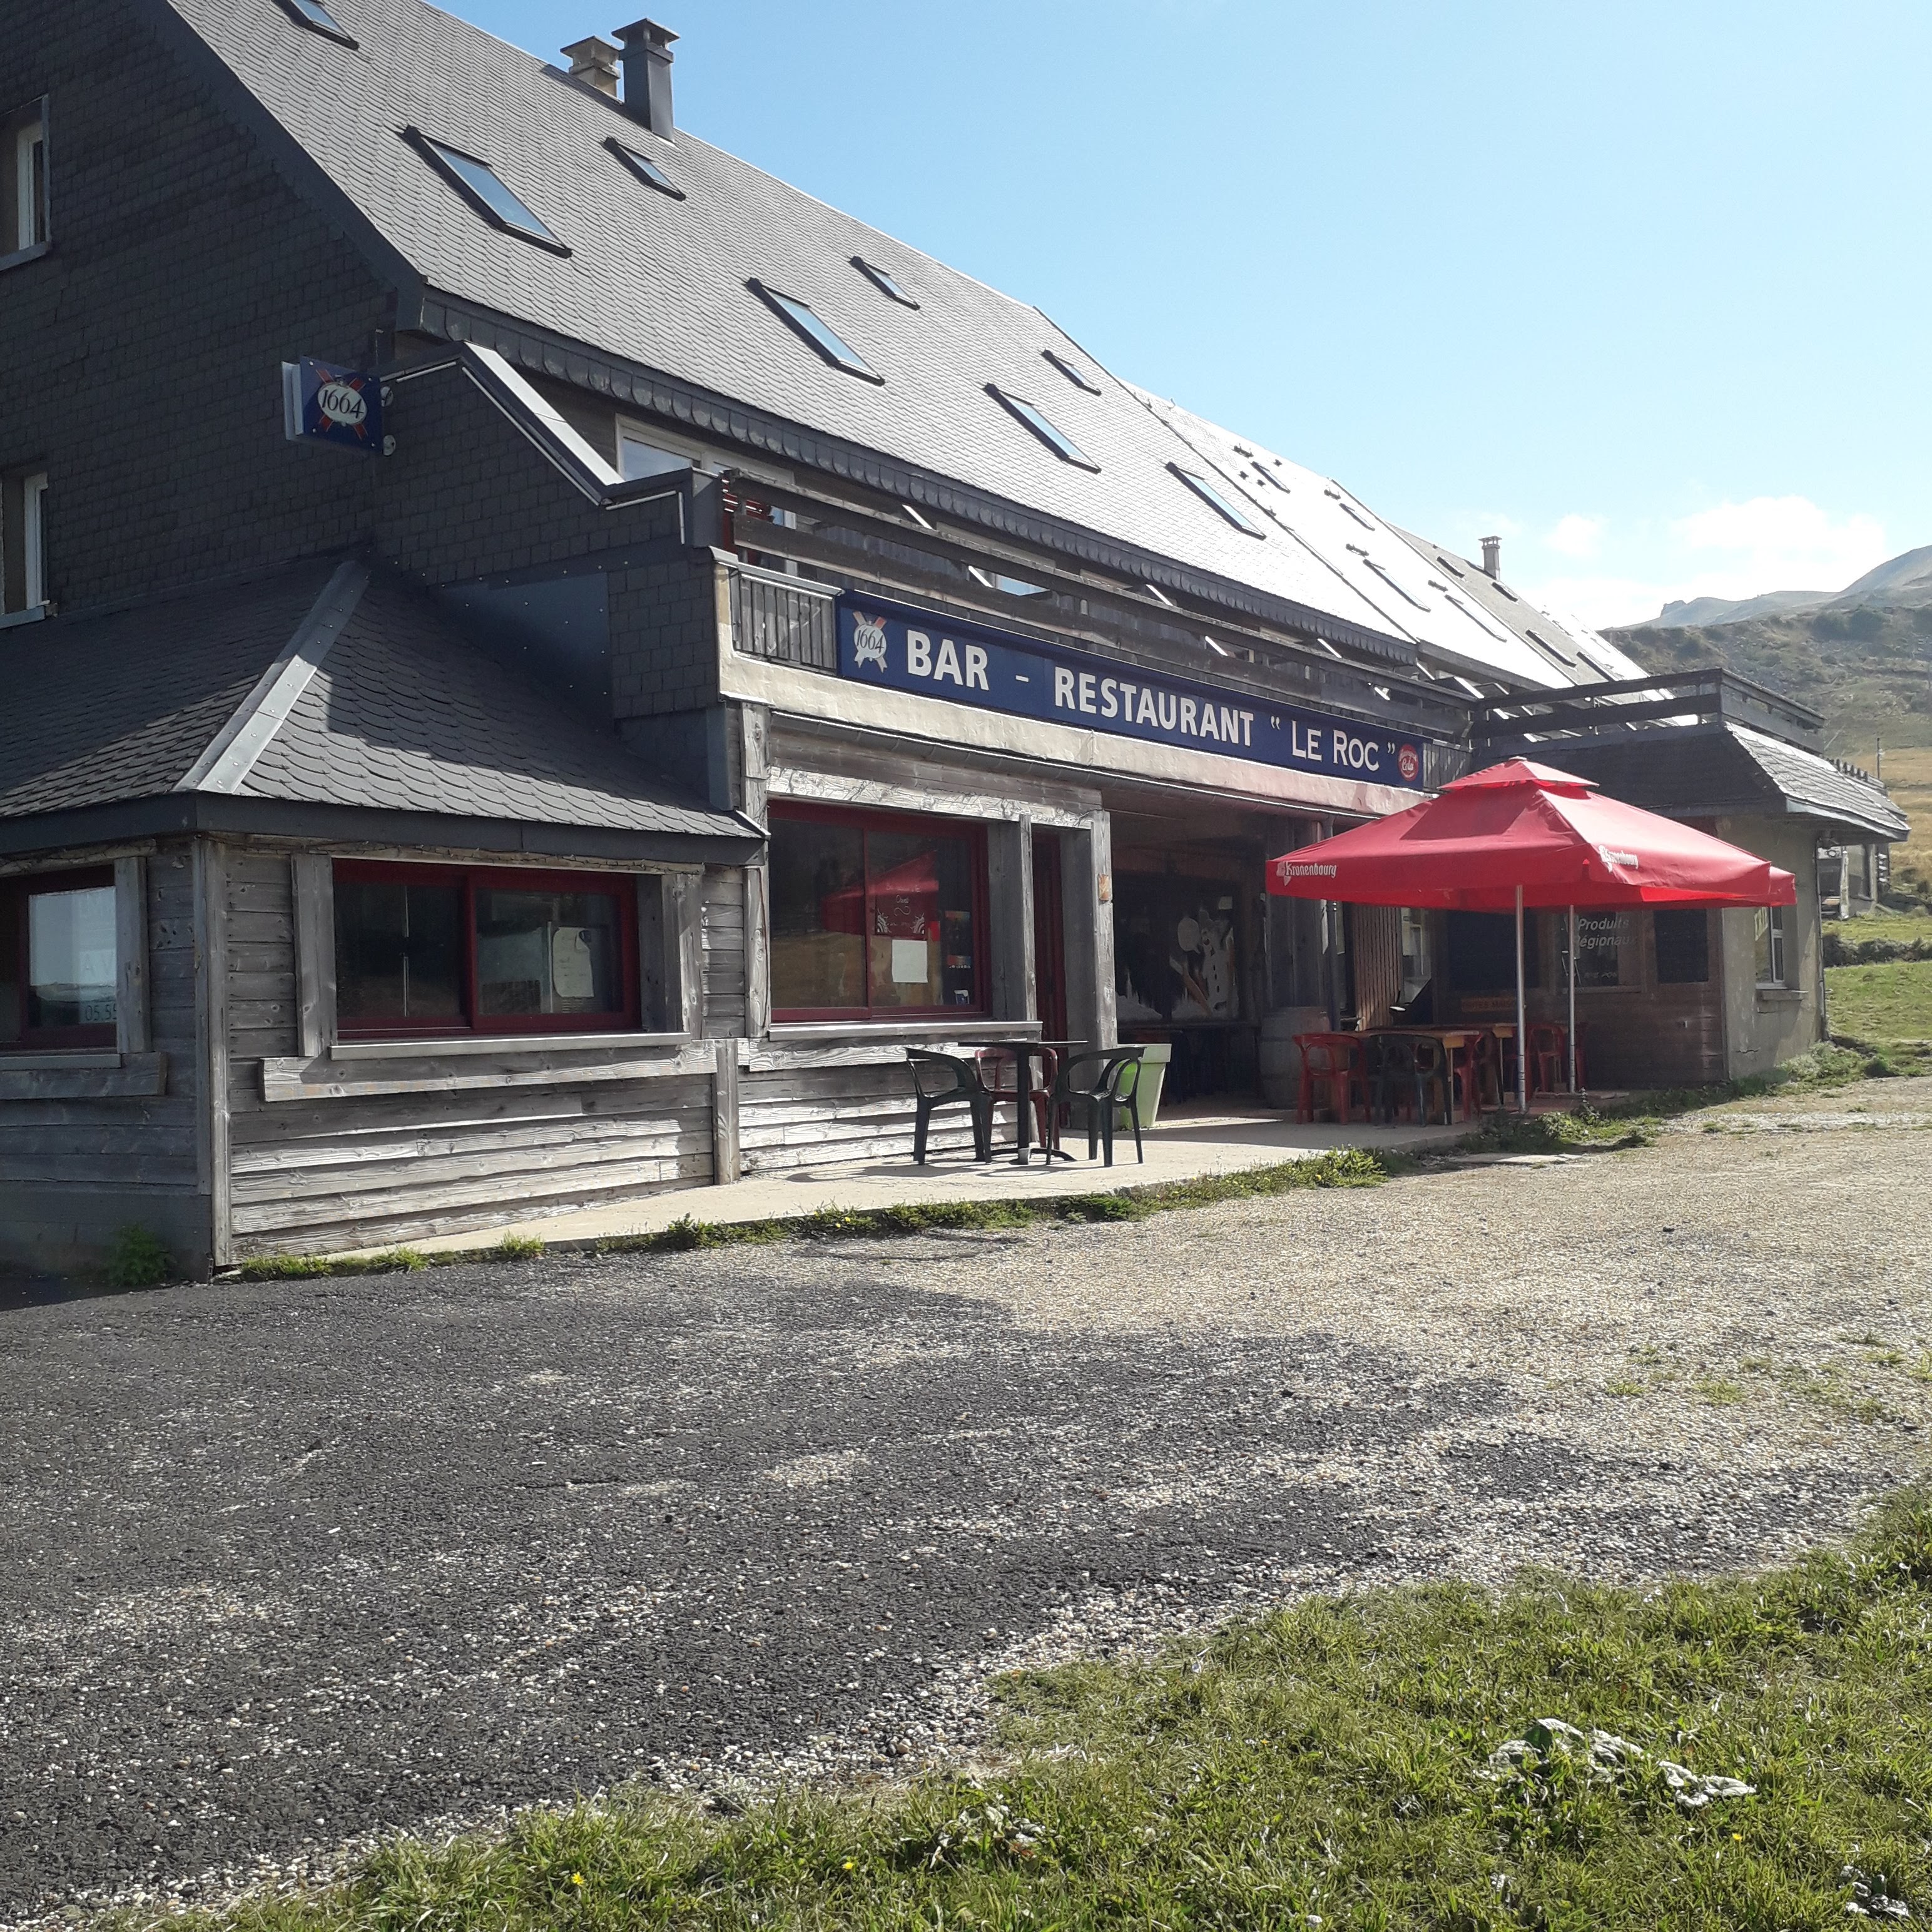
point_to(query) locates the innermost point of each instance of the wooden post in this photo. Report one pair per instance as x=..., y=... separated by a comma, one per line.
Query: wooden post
x=1009, y=912
x=213, y=1175
x=1573, y=1000
x=313, y=882
x=725, y=1166
x=130, y=952
x=685, y=904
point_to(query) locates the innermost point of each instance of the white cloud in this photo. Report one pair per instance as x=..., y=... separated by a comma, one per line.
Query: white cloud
x=1781, y=543
x=1576, y=536
x=1731, y=550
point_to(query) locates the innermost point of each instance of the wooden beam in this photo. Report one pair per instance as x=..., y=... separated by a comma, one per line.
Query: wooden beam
x=210, y=1041
x=295, y=1079
x=141, y=1077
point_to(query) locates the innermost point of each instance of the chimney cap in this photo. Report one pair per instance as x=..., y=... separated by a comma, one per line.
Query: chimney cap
x=594, y=60
x=648, y=30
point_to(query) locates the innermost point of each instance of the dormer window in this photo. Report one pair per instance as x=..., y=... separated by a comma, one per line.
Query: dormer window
x=23, y=182
x=312, y=14
x=480, y=185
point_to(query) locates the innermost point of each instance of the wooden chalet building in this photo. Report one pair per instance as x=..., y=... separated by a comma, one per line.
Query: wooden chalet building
x=731, y=645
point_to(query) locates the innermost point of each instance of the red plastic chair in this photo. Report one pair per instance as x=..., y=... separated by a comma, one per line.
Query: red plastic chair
x=1000, y=1073
x=1548, y=1058
x=1333, y=1062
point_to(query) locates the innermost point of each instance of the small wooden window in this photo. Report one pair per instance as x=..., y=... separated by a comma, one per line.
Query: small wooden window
x=59, y=961
x=448, y=951
x=875, y=916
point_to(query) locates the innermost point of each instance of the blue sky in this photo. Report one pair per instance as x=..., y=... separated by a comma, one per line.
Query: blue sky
x=1643, y=287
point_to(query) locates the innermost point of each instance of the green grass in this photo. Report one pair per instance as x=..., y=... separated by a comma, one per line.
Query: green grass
x=1347, y=1763
x=1340, y=1167
x=1886, y=1009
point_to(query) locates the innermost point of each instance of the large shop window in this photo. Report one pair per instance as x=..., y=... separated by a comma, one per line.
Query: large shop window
x=875, y=916
x=425, y=950
x=58, y=960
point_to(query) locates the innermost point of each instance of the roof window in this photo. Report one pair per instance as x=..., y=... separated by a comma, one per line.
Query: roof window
x=1448, y=566
x=1077, y=376
x=646, y=169
x=314, y=14
x=1213, y=499
x=1159, y=595
x=1062, y=446
x=804, y=321
x=479, y=184
x=886, y=284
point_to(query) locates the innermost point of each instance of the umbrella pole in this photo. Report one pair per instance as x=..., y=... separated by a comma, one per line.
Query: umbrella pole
x=1572, y=1000
x=1521, y=1026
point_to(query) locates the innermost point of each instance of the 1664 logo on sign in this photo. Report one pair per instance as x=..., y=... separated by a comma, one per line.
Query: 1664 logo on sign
x=1409, y=762
x=869, y=640
x=321, y=403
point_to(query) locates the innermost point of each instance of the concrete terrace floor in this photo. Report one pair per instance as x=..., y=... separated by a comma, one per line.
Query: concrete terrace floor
x=1190, y=1141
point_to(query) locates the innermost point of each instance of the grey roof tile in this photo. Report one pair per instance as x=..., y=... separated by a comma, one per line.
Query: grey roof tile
x=660, y=284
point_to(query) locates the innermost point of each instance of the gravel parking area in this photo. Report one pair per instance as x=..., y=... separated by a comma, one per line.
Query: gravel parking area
x=287, y=1567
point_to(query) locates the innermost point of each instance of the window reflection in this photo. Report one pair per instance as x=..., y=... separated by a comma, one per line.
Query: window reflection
x=398, y=953
x=873, y=918
x=547, y=952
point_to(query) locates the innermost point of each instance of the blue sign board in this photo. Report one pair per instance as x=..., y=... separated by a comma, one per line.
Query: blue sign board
x=322, y=403
x=906, y=650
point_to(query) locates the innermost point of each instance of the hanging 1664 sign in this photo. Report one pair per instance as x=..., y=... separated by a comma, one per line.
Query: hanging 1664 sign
x=907, y=650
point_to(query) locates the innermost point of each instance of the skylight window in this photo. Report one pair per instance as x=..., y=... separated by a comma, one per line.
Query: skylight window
x=1077, y=376
x=886, y=284
x=314, y=14
x=1062, y=446
x=1214, y=500
x=646, y=169
x=806, y=323
x=1159, y=595
x=479, y=185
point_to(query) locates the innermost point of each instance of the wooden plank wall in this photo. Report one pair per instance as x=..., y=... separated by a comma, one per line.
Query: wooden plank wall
x=848, y=1107
x=73, y=1172
x=311, y=1175
x=723, y=927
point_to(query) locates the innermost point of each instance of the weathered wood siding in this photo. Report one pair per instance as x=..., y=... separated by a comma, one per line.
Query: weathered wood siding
x=74, y=1171
x=367, y=1170
x=723, y=903
x=853, y=1109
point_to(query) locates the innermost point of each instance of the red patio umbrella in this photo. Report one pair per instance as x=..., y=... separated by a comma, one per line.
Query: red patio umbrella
x=1519, y=835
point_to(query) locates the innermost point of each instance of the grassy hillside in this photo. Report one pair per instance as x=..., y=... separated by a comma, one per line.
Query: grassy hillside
x=1869, y=670
x=1908, y=777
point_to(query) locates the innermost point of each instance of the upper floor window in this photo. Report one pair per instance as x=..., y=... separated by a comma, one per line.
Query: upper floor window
x=58, y=963
x=23, y=543
x=23, y=180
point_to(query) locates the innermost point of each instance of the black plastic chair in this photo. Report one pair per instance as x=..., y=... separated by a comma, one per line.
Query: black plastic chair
x=1105, y=1088
x=1408, y=1070
x=944, y=1080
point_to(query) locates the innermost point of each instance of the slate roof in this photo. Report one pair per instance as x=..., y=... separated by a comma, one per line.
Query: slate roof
x=1816, y=785
x=403, y=714
x=1728, y=768
x=122, y=706
x=660, y=284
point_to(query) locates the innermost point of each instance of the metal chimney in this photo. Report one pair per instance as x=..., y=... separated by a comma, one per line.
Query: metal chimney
x=1492, y=556
x=594, y=62
x=646, y=58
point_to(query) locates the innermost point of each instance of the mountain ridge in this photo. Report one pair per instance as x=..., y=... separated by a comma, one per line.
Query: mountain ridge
x=1904, y=579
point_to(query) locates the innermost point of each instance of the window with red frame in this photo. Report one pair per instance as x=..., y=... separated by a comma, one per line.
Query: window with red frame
x=433, y=950
x=875, y=916
x=59, y=964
